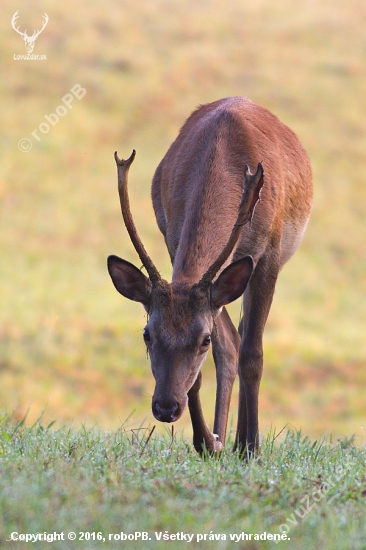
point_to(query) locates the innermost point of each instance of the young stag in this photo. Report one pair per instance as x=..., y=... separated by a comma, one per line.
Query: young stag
x=204, y=194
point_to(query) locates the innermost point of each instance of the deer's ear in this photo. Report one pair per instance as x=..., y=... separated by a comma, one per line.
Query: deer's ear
x=232, y=282
x=129, y=281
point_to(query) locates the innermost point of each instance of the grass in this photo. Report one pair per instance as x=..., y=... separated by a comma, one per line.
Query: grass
x=112, y=482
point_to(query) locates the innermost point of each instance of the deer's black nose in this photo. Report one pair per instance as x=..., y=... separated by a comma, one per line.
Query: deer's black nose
x=165, y=412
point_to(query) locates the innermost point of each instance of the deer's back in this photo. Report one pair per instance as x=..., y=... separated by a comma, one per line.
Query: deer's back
x=197, y=186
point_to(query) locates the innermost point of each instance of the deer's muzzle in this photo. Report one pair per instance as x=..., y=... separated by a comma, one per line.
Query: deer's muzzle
x=166, y=411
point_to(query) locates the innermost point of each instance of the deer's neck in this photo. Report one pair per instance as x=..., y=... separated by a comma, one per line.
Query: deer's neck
x=209, y=218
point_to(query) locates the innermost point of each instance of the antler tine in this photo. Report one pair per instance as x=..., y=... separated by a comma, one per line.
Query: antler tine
x=13, y=21
x=253, y=184
x=123, y=167
x=14, y=18
x=36, y=33
x=45, y=17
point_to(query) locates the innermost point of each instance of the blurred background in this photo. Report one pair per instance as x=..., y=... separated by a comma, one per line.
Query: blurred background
x=70, y=344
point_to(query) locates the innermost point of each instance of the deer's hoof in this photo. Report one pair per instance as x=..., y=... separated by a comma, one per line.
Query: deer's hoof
x=211, y=447
x=218, y=446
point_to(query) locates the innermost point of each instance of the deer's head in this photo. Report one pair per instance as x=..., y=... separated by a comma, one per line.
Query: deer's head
x=181, y=315
x=29, y=40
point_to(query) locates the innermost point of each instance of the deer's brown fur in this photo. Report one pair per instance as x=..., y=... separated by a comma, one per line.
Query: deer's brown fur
x=196, y=191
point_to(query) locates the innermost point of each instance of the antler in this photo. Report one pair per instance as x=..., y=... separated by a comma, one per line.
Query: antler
x=37, y=33
x=123, y=167
x=24, y=34
x=13, y=21
x=253, y=184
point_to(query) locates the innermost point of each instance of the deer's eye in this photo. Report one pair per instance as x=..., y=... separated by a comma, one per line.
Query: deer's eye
x=146, y=335
x=206, y=342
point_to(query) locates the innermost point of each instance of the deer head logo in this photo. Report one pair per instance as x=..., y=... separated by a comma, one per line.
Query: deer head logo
x=29, y=40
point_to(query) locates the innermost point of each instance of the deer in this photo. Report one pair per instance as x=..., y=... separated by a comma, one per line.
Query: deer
x=29, y=40
x=232, y=197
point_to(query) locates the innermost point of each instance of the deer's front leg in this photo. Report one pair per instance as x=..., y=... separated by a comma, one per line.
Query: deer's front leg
x=226, y=342
x=202, y=436
x=257, y=302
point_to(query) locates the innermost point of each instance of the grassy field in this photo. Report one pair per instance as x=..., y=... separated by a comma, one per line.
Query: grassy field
x=108, y=485
x=69, y=342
